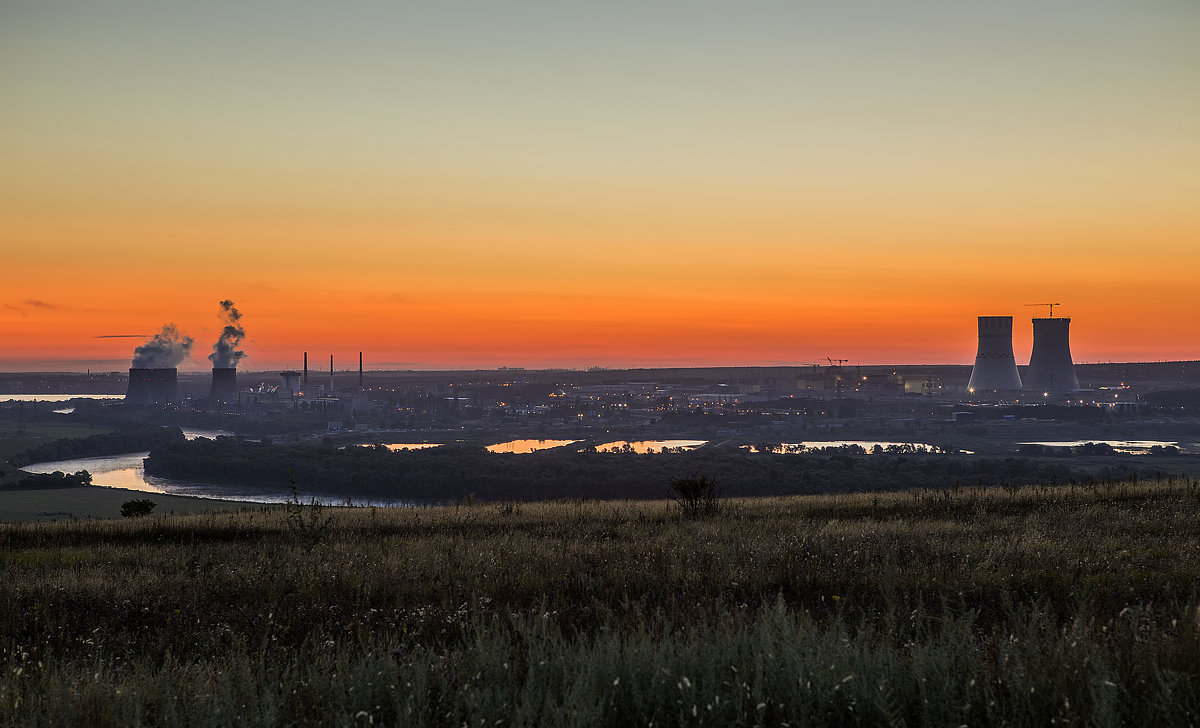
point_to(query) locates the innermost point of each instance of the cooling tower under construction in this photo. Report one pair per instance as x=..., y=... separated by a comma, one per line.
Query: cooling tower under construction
x=151, y=386
x=1050, y=366
x=995, y=366
x=224, y=385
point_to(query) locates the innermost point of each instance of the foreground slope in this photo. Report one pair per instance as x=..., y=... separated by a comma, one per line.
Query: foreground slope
x=1016, y=606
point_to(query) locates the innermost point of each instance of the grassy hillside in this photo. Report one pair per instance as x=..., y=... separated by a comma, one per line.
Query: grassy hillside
x=1021, y=606
x=64, y=504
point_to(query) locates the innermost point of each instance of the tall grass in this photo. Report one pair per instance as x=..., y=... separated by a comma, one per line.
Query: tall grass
x=1077, y=605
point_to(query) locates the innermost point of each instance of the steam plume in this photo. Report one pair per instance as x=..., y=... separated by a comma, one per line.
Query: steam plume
x=225, y=352
x=165, y=350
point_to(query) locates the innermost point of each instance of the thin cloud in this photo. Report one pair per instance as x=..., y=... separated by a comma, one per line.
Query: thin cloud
x=24, y=306
x=121, y=336
x=389, y=298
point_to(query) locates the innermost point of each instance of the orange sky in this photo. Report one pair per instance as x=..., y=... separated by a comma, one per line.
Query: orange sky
x=567, y=187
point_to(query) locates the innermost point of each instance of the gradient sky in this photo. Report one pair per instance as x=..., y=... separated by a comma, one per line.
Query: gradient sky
x=535, y=183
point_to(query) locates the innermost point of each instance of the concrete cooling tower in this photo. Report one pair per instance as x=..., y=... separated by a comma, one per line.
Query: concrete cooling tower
x=995, y=366
x=1050, y=366
x=151, y=386
x=224, y=385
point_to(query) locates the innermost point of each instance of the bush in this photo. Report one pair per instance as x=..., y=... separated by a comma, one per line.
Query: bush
x=696, y=494
x=137, y=507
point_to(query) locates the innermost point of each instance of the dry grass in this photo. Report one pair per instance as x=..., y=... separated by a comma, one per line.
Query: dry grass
x=974, y=606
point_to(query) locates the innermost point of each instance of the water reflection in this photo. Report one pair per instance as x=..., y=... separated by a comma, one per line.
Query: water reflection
x=207, y=434
x=55, y=397
x=527, y=446
x=648, y=446
x=1128, y=447
x=114, y=471
x=398, y=446
x=868, y=445
x=124, y=470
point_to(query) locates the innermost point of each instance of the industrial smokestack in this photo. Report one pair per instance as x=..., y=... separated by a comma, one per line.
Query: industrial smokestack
x=360, y=378
x=1050, y=366
x=224, y=385
x=152, y=386
x=226, y=354
x=995, y=366
x=153, y=378
x=306, y=368
x=331, y=373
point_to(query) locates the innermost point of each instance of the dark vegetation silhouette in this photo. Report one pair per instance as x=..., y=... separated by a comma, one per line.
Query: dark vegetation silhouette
x=697, y=495
x=127, y=439
x=450, y=473
x=137, y=507
x=57, y=479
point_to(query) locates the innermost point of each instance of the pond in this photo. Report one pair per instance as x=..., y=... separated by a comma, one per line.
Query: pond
x=642, y=447
x=527, y=446
x=1129, y=447
x=868, y=445
x=398, y=446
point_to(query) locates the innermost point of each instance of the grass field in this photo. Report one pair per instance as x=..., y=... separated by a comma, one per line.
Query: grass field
x=57, y=504
x=1032, y=606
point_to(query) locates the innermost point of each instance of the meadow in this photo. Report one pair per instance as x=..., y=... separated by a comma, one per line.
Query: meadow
x=1071, y=605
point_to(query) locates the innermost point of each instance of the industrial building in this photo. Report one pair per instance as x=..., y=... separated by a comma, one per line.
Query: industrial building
x=995, y=365
x=1051, y=370
x=224, y=385
x=156, y=386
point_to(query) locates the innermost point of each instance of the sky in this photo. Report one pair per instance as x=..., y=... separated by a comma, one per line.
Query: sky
x=569, y=184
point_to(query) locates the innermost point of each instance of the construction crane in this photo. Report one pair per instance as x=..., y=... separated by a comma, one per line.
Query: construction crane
x=1051, y=305
x=839, y=381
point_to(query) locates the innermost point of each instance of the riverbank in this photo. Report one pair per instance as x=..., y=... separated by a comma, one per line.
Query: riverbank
x=90, y=502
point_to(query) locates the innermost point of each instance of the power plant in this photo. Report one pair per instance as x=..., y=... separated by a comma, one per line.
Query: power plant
x=995, y=365
x=152, y=386
x=224, y=385
x=1051, y=369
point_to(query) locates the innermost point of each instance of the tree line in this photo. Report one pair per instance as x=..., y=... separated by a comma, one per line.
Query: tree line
x=452, y=472
x=128, y=439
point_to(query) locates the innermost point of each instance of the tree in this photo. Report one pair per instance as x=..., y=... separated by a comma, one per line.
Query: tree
x=137, y=507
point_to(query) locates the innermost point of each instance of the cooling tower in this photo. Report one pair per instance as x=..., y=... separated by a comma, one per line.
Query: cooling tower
x=151, y=386
x=995, y=366
x=1050, y=366
x=224, y=385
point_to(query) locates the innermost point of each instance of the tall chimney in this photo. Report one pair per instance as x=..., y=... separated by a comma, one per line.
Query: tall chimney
x=995, y=366
x=306, y=368
x=331, y=373
x=1051, y=369
x=360, y=381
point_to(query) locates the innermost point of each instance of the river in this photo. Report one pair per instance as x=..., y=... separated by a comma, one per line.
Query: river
x=127, y=471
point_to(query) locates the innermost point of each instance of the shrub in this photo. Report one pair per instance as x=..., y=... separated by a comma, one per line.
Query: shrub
x=696, y=494
x=137, y=507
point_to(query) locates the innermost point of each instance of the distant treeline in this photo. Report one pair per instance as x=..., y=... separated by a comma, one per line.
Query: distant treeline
x=56, y=479
x=131, y=439
x=449, y=473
